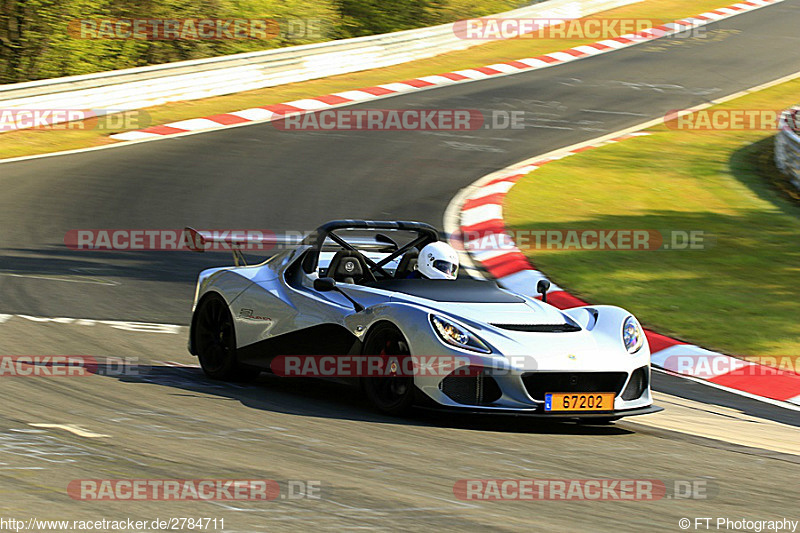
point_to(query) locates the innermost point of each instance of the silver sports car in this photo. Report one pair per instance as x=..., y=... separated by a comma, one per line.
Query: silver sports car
x=346, y=294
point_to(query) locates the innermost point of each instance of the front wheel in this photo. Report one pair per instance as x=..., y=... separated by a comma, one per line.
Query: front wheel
x=215, y=339
x=392, y=393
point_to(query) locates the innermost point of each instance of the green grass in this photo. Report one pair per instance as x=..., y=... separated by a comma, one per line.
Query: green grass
x=741, y=295
x=31, y=142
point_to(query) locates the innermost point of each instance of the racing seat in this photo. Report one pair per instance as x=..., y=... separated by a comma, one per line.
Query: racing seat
x=407, y=264
x=347, y=267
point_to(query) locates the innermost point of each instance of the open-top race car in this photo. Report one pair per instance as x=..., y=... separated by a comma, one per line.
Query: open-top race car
x=347, y=291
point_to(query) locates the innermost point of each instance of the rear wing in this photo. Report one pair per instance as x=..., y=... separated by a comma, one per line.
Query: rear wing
x=239, y=241
x=236, y=241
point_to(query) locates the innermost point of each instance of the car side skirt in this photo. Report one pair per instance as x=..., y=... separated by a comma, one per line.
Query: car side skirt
x=323, y=339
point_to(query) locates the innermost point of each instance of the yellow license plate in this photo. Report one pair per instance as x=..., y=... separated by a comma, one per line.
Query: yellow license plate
x=579, y=401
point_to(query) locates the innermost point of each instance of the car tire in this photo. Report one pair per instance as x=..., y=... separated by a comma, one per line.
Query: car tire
x=393, y=395
x=215, y=340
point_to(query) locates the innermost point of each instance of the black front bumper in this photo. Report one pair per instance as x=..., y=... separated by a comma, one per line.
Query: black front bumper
x=539, y=413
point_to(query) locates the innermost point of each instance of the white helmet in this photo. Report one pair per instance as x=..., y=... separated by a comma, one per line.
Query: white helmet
x=438, y=260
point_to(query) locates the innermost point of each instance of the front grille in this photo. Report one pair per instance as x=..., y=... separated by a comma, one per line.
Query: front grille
x=539, y=328
x=474, y=389
x=539, y=383
x=637, y=384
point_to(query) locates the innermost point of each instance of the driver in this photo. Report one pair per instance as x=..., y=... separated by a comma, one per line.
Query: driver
x=437, y=260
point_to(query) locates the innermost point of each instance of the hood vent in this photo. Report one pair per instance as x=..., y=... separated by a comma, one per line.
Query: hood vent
x=540, y=328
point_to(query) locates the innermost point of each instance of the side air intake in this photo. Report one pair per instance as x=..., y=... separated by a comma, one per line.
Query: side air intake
x=473, y=387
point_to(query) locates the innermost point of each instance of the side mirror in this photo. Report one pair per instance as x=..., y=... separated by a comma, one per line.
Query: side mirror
x=325, y=284
x=329, y=284
x=542, y=287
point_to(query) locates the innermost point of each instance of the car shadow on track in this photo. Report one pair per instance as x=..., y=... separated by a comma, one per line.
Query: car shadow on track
x=325, y=399
x=180, y=266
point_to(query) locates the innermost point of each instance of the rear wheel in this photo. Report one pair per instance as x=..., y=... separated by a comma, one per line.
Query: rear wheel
x=392, y=393
x=215, y=339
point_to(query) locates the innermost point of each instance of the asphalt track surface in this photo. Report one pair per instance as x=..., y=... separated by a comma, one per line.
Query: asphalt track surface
x=168, y=422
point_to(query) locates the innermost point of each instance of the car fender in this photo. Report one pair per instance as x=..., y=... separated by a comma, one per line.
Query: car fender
x=605, y=323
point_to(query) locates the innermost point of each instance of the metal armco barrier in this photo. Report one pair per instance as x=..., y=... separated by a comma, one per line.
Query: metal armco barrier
x=136, y=88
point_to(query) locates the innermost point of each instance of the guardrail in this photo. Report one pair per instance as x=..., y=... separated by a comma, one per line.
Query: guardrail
x=787, y=145
x=123, y=90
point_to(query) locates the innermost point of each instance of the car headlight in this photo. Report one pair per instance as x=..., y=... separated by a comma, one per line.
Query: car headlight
x=632, y=335
x=456, y=335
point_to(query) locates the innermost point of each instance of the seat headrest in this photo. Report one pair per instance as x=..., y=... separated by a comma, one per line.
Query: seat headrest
x=345, y=266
